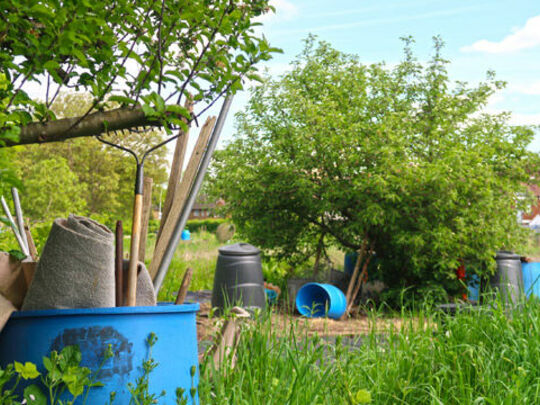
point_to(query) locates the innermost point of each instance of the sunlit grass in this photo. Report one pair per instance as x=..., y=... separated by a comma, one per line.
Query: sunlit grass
x=479, y=357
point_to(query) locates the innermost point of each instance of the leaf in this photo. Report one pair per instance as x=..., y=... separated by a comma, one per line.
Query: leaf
x=27, y=371
x=148, y=111
x=121, y=99
x=47, y=364
x=34, y=395
x=51, y=65
x=363, y=397
x=42, y=11
x=177, y=109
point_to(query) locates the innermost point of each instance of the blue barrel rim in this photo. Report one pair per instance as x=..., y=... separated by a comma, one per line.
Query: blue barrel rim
x=334, y=313
x=161, y=308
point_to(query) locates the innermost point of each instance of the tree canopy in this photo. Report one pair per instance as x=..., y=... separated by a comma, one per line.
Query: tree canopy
x=402, y=160
x=145, y=56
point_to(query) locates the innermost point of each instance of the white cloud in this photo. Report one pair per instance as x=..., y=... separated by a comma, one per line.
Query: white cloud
x=285, y=11
x=532, y=88
x=521, y=38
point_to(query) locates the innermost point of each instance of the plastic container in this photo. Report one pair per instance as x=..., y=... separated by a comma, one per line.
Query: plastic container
x=30, y=335
x=185, y=235
x=531, y=278
x=238, y=279
x=350, y=262
x=473, y=287
x=316, y=300
x=271, y=295
x=508, y=278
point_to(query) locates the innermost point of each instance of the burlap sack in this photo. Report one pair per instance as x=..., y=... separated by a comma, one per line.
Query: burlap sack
x=76, y=268
x=13, y=284
x=13, y=280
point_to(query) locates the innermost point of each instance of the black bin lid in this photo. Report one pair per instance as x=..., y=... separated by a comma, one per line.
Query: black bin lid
x=239, y=249
x=506, y=255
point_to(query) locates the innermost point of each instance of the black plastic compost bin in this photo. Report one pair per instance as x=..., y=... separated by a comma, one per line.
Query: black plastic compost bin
x=238, y=279
x=508, y=278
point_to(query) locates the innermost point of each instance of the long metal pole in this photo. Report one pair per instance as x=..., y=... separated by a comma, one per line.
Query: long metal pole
x=19, y=216
x=181, y=223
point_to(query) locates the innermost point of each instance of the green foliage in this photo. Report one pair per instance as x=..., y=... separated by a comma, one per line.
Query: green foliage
x=52, y=190
x=400, y=159
x=149, y=54
x=64, y=372
x=139, y=391
x=209, y=224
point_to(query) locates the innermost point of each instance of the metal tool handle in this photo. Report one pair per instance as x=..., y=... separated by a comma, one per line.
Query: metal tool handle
x=23, y=247
x=19, y=216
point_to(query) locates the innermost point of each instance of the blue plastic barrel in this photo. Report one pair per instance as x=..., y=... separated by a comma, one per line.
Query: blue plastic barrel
x=271, y=295
x=350, y=262
x=316, y=300
x=473, y=287
x=30, y=335
x=185, y=235
x=531, y=278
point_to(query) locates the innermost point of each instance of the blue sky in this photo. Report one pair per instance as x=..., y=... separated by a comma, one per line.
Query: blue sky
x=503, y=36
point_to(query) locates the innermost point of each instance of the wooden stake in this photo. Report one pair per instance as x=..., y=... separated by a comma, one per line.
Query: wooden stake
x=174, y=177
x=181, y=195
x=359, y=283
x=184, y=286
x=227, y=342
x=31, y=244
x=176, y=171
x=147, y=209
x=353, y=279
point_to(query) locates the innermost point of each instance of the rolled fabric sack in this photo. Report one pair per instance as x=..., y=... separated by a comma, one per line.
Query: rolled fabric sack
x=76, y=268
x=13, y=284
x=146, y=296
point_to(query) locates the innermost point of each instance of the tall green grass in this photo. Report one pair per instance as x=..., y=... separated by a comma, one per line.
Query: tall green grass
x=487, y=357
x=199, y=253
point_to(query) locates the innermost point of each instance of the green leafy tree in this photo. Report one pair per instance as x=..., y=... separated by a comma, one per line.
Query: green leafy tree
x=401, y=160
x=52, y=190
x=146, y=56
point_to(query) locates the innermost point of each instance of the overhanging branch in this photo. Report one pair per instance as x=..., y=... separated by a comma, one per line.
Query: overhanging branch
x=94, y=124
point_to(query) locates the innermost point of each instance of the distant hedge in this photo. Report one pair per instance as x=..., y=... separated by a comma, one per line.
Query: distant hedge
x=210, y=224
x=193, y=225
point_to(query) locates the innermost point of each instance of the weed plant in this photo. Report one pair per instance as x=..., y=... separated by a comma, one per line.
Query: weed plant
x=488, y=356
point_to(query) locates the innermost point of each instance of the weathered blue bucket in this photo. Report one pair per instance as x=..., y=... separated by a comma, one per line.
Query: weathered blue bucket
x=531, y=278
x=315, y=300
x=30, y=335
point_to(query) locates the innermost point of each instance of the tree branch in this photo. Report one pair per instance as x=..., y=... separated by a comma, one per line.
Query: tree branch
x=93, y=124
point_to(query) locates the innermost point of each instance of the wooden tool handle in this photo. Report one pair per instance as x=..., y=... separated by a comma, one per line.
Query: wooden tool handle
x=119, y=264
x=131, y=291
